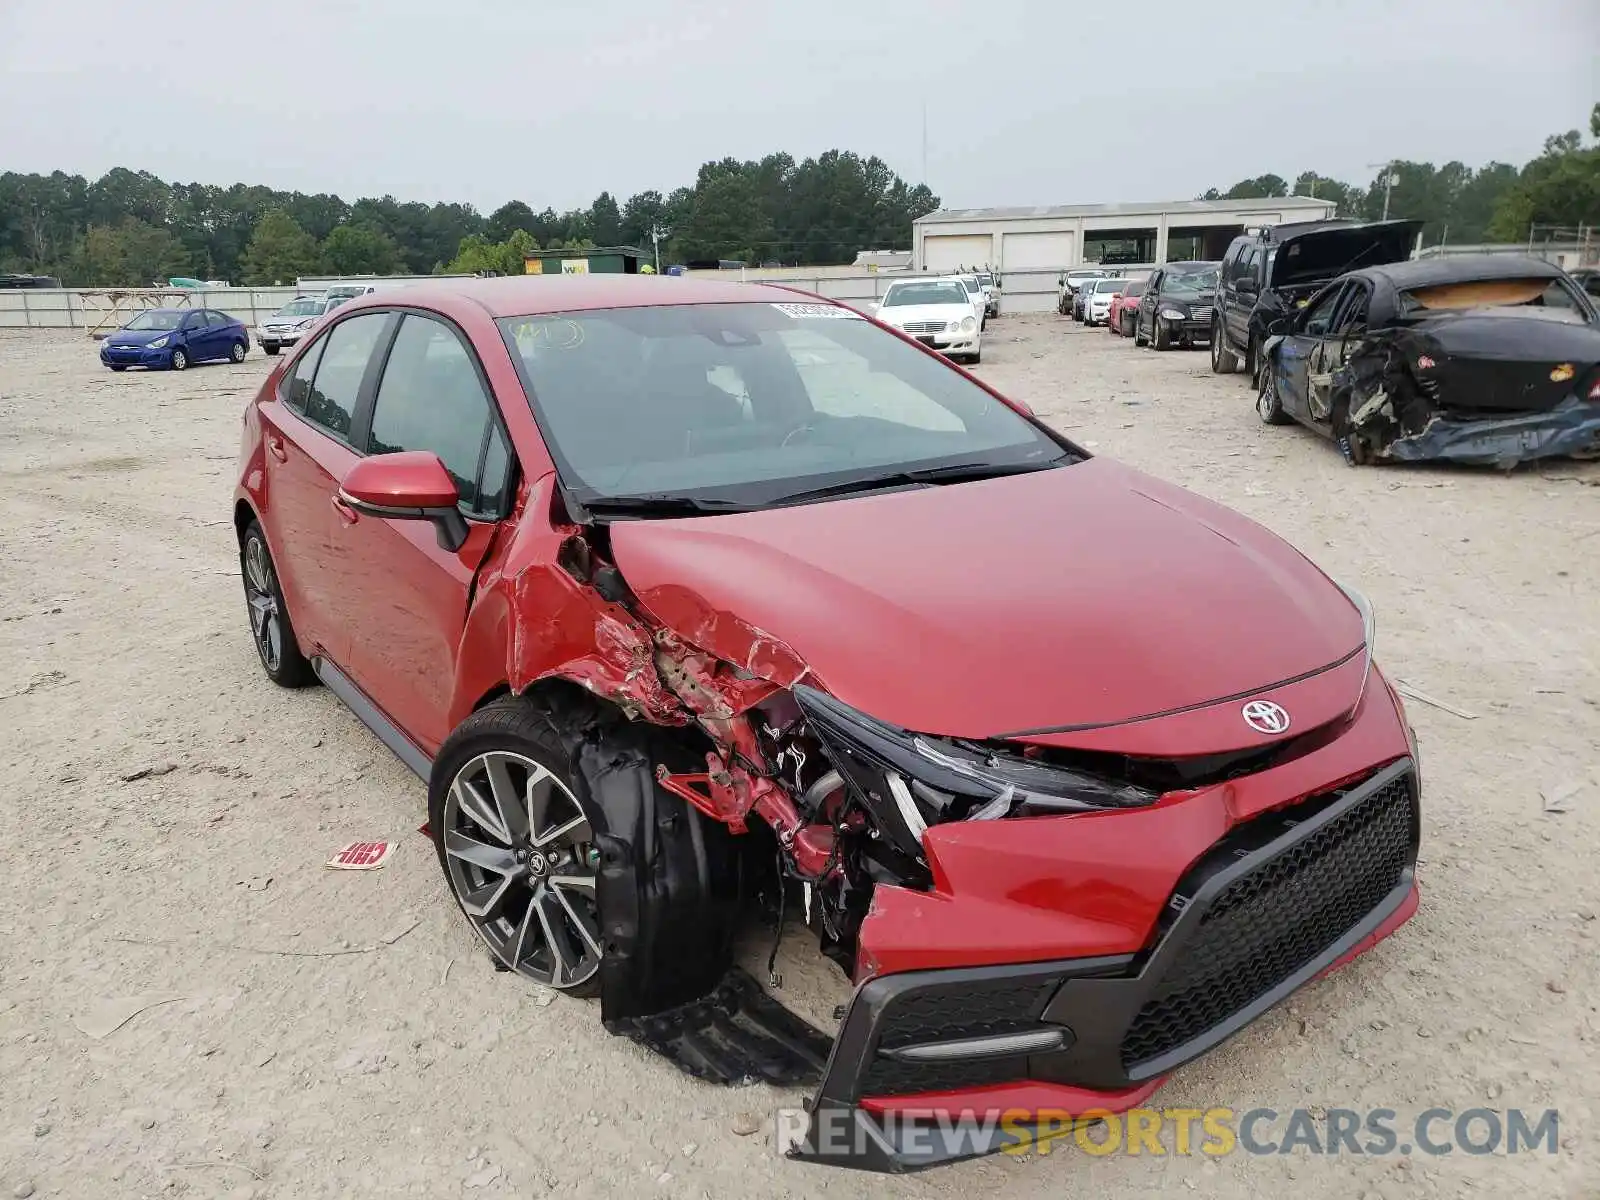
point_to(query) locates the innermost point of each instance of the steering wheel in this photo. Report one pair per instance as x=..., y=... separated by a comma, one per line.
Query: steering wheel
x=805, y=427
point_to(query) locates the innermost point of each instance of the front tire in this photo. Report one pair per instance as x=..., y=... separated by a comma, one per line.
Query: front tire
x=516, y=845
x=269, y=347
x=1223, y=360
x=1160, y=336
x=270, y=627
x=118, y=366
x=1269, y=405
x=237, y=351
x=180, y=360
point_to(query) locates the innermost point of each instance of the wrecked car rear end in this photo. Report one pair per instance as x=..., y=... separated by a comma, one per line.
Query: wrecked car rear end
x=1471, y=373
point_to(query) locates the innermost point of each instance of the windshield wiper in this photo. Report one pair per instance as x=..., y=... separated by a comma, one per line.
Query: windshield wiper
x=661, y=504
x=929, y=476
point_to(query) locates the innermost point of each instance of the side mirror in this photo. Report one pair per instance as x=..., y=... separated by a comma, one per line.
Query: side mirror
x=409, y=485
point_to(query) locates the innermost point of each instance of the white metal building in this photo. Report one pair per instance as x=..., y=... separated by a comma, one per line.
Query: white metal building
x=1052, y=237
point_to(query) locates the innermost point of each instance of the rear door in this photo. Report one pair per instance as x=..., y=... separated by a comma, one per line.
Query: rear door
x=1345, y=331
x=306, y=429
x=404, y=594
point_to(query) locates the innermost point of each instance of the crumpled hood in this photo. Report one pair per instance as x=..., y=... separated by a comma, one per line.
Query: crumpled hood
x=1088, y=594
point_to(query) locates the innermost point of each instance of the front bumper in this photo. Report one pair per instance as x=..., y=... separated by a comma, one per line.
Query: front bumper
x=1060, y=984
x=286, y=337
x=1193, y=328
x=950, y=343
x=135, y=356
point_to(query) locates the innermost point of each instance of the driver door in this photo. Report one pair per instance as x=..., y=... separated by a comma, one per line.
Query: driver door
x=1148, y=302
x=1301, y=356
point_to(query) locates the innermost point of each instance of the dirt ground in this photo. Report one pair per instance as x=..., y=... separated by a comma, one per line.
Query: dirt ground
x=324, y=1033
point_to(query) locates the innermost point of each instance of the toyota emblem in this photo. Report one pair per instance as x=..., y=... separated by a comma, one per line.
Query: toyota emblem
x=1265, y=717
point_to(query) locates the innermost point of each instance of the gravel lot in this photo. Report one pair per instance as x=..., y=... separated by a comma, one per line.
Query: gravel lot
x=332, y=1033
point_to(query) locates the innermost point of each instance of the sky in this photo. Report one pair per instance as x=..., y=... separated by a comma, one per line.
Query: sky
x=1027, y=101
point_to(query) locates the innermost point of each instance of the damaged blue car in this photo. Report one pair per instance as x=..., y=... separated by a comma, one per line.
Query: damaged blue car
x=1488, y=360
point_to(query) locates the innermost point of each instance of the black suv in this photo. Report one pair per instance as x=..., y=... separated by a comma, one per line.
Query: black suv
x=1175, y=309
x=1271, y=272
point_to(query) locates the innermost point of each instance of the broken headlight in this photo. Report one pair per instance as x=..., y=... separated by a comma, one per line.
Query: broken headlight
x=908, y=781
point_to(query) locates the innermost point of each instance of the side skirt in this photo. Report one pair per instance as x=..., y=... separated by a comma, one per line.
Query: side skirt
x=390, y=734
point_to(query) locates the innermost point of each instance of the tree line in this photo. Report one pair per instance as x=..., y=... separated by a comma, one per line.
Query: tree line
x=129, y=228
x=1494, y=203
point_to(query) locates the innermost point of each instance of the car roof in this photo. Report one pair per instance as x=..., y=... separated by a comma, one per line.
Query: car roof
x=532, y=295
x=1187, y=265
x=1454, y=268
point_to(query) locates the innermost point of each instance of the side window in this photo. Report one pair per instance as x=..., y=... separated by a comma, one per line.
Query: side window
x=1352, y=316
x=430, y=398
x=1250, y=266
x=495, y=480
x=331, y=401
x=194, y=320
x=1319, y=315
x=216, y=318
x=296, y=386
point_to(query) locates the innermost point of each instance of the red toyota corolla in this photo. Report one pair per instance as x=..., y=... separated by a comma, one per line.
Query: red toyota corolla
x=692, y=599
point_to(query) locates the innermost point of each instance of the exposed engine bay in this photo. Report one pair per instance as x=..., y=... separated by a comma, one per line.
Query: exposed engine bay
x=793, y=796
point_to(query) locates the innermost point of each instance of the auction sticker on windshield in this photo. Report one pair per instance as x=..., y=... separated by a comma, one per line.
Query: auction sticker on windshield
x=818, y=310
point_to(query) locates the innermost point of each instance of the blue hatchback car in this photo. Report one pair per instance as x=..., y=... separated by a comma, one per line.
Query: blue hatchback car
x=175, y=337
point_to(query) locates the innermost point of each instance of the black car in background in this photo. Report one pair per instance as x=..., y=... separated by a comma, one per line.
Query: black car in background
x=1176, y=307
x=1270, y=272
x=1485, y=359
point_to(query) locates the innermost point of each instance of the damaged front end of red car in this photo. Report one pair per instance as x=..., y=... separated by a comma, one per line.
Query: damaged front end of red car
x=1036, y=922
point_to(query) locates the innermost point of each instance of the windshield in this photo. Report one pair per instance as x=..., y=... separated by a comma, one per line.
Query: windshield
x=1135, y=289
x=306, y=307
x=749, y=403
x=155, y=318
x=971, y=285
x=1109, y=285
x=925, y=293
x=1178, y=283
x=985, y=279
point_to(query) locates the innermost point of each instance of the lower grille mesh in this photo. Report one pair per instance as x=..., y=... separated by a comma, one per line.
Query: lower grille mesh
x=1272, y=922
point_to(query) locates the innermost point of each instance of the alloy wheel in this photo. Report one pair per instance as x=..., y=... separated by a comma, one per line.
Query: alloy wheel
x=237, y=352
x=266, y=619
x=180, y=360
x=521, y=858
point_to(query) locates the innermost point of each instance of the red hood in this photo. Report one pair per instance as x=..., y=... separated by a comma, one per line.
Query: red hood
x=1085, y=595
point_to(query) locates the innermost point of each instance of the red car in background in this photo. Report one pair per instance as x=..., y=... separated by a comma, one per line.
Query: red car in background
x=1125, y=309
x=694, y=600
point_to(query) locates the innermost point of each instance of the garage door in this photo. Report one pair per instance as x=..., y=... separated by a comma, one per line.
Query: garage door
x=949, y=253
x=1035, y=251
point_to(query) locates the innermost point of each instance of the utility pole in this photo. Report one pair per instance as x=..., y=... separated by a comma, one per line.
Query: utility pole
x=1389, y=180
x=924, y=141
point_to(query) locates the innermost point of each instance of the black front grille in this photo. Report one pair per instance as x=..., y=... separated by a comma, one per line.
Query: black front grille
x=1270, y=923
x=938, y=1013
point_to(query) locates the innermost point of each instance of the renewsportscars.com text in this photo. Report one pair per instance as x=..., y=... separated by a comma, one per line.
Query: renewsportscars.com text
x=1212, y=1132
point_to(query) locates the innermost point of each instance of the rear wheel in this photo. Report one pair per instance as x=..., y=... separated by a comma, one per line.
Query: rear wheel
x=517, y=847
x=1138, y=332
x=270, y=627
x=236, y=352
x=180, y=360
x=118, y=366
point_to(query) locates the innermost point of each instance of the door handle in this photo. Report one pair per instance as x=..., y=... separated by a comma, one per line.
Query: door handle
x=275, y=448
x=346, y=514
